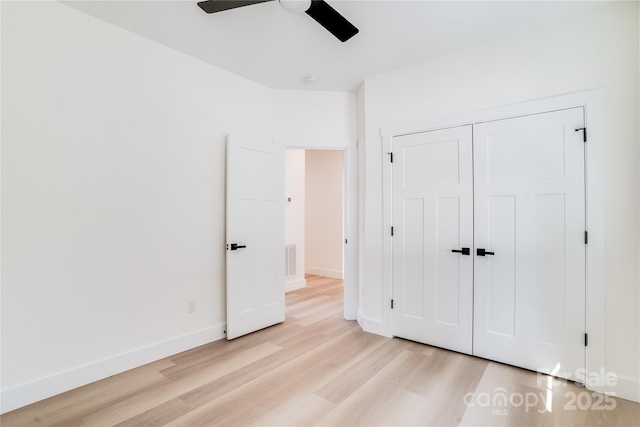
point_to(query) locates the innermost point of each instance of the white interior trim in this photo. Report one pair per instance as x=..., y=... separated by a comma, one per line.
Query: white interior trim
x=373, y=326
x=334, y=274
x=52, y=385
x=626, y=388
x=295, y=284
x=350, y=261
x=592, y=101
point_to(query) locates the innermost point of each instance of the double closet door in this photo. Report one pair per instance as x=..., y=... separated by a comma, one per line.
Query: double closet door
x=489, y=240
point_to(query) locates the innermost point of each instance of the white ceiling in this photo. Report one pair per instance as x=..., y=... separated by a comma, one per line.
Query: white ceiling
x=278, y=49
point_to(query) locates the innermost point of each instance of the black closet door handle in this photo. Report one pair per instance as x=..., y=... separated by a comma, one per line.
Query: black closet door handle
x=235, y=246
x=482, y=252
x=463, y=251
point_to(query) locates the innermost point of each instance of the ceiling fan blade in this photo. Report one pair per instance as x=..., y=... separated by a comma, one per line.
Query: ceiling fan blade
x=213, y=6
x=330, y=19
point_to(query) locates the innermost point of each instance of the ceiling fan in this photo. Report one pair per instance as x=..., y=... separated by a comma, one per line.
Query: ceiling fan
x=319, y=10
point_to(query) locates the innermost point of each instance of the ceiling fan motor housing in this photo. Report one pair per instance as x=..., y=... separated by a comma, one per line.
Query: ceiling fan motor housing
x=295, y=6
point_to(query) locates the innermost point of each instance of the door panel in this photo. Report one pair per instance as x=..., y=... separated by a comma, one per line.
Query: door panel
x=549, y=265
x=501, y=215
x=447, y=266
x=412, y=298
x=530, y=211
x=255, y=219
x=433, y=215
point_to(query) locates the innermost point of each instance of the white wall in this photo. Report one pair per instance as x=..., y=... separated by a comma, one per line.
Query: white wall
x=310, y=119
x=324, y=185
x=294, y=219
x=113, y=180
x=597, y=49
x=113, y=187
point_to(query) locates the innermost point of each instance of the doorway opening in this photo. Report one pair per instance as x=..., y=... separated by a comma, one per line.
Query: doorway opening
x=314, y=232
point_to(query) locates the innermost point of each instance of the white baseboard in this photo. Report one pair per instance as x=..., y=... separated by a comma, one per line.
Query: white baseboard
x=52, y=385
x=625, y=388
x=295, y=284
x=349, y=314
x=360, y=319
x=324, y=272
x=372, y=326
x=628, y=388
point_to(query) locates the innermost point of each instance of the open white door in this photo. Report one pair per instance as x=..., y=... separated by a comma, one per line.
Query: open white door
x=255, y=235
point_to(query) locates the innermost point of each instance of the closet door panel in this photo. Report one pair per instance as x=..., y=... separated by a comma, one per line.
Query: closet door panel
x=432, y=216
x=529, y=288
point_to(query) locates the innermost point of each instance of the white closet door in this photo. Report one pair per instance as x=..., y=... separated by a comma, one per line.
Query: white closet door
x=530, y=213
x=433, y=215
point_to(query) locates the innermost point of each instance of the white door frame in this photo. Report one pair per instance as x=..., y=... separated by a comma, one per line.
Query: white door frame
x=592, y=101
x=350, y=206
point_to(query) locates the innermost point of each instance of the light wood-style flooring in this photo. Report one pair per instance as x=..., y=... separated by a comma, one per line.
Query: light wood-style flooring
x=318, y=369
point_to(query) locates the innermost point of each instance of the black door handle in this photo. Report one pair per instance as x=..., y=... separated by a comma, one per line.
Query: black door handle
x=235, y=246
x=463, y=251
x=482, y=252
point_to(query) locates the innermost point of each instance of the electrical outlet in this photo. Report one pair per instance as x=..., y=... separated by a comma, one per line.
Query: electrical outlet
x=191, y=306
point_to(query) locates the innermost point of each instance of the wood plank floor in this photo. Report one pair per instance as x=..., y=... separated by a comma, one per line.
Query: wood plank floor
x=318, y=369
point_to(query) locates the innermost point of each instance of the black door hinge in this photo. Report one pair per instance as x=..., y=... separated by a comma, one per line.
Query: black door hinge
x=390, y=157
x=586, y=340
x=586, y=237
x=392, y=231
x=584, y=134
x=392, y=304
x=345, y=241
